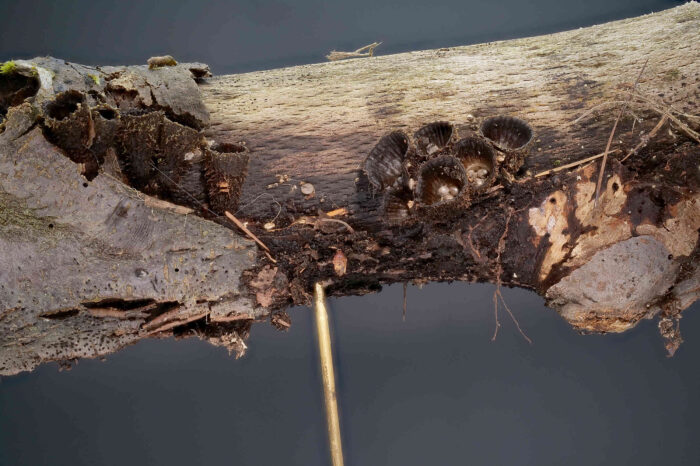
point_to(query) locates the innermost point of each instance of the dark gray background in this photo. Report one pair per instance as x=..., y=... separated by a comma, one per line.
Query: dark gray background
x=432, y=390
x=237, y=36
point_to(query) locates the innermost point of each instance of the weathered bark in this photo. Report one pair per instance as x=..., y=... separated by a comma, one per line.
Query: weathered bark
x=92, y=260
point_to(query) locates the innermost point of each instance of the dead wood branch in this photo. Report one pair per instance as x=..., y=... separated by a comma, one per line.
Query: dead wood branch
x=78, y=235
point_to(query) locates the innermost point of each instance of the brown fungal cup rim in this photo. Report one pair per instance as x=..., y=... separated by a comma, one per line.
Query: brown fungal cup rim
x=432, y=164
x=505, y=120
x=65, y=104
x=426, y=130
x=487, y=157
x=379, y=160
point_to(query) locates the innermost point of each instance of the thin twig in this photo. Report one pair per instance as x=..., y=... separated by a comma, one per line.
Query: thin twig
x=574, y=164
x=655, y=102
x=370, y=48
x=359, y=53
x=612, y=135
x=245, y=230
x=667, y=112
x=646, y=138
x=663, y=109
x=595, y=108
x=648, y=103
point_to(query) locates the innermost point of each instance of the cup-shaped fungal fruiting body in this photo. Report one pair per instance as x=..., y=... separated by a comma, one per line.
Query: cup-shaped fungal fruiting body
x=506, y=132
x=187, y=184
x=17, y=83
x=433, y=137
x=106, y=121
x=69, y=124
x=384, y=163
x=441, y=180
x=135, y=144
x=511, y=136
x=225, y=173
x=479, y=161
x=398, y=205
x=178, y=163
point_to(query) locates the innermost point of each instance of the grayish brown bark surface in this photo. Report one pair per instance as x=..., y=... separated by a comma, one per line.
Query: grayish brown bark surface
x=93, y=260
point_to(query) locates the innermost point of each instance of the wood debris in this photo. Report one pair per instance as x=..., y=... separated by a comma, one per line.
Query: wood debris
x=359, y=53
x=307, y=189
x=245, y=230
x=176, y=323
x=337, y=212
x=575, y=164
x=340, y=263
x=151, y=201
x=281, y=321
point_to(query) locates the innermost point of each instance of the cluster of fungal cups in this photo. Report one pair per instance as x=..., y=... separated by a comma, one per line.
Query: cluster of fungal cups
x=437, y=170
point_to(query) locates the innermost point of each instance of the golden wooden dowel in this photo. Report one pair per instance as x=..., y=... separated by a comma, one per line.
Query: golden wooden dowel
x=328, y=375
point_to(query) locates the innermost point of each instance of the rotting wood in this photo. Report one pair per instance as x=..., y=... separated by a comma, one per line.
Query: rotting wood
x=601, y=173
x=79, y=230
